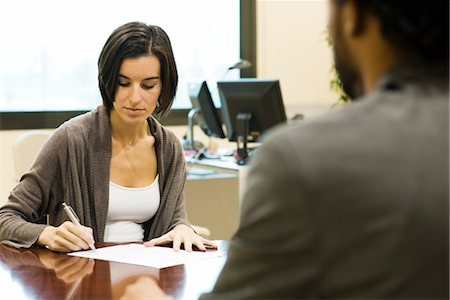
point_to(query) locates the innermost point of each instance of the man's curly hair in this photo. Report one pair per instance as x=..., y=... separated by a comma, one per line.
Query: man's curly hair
x=420, y=26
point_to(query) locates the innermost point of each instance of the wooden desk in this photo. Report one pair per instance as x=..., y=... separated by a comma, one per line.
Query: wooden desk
x=220, y=165
x=39, y=273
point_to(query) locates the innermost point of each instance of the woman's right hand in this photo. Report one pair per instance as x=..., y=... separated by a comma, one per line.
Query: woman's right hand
x=66, y=238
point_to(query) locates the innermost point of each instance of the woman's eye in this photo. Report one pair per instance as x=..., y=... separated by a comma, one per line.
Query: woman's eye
x=125, y=84
x=147, y=87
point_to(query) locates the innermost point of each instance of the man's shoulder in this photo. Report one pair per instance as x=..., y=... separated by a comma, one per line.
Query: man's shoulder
x=336, y=133
x=326, y=125
x=370, y=123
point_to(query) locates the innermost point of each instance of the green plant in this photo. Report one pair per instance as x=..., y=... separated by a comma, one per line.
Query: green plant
x=335, y=82
x=336, y=85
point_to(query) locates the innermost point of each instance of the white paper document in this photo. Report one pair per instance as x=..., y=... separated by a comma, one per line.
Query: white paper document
x=138, y=254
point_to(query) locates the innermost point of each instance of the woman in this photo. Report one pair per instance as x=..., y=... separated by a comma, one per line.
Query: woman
x=116, y=166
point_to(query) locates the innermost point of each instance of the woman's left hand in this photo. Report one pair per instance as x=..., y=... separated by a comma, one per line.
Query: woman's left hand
x=181, y=234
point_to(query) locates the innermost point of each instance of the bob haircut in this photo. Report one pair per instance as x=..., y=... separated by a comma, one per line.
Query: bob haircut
x=131, y=40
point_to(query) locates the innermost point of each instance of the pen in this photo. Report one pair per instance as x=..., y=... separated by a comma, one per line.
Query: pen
x=73, y=217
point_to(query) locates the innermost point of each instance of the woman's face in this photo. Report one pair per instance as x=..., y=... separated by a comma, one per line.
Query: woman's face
x=138, y=90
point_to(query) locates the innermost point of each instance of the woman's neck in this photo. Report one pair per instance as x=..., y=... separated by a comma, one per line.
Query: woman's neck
x=127, y=134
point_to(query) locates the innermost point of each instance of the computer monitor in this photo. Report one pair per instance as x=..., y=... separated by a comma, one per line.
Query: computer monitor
x=207, y=117
x=250, y=106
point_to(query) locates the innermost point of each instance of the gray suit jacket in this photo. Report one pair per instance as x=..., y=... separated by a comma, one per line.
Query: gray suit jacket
x=353, y=204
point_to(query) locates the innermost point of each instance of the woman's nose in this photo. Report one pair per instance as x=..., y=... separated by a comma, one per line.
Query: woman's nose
x=136, y=94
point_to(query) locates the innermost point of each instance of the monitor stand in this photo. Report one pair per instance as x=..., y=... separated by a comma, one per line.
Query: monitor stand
x=242, y=128
x=189, y=143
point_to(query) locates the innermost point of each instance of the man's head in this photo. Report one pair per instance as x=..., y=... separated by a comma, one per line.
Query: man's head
x=369, y=36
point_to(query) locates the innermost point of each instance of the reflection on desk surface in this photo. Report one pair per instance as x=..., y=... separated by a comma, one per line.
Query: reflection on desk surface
x=42, y=274
x=39, y=273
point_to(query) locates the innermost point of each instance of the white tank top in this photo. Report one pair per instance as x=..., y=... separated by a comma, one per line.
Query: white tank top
x=128, y=208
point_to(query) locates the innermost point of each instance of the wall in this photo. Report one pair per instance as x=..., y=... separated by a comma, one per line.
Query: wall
x=291, y=47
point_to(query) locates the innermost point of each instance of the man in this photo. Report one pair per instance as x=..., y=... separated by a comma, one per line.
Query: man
x=354, y=204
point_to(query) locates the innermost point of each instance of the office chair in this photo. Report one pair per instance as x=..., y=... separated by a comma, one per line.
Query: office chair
x=25, y=149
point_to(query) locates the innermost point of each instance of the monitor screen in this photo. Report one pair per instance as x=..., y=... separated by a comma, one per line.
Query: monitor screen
x=207, y=117
x=260, y=98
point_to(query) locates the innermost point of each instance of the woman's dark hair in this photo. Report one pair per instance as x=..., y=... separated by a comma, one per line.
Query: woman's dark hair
x=133, y=40
x=421, y=26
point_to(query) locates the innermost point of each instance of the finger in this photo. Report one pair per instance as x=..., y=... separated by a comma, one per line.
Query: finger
x=203, y=244
x=60, y=248
x=83, y=232
x=68, y=236
x=176, y=244
x=199, y=245
x=53, y=238
x=158, y=241
x=63, y=243
x=88, y=235
x=210, y=244
x=187, y=245
x=72, y=238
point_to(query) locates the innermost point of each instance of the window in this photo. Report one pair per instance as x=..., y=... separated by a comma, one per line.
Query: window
x=49, y=63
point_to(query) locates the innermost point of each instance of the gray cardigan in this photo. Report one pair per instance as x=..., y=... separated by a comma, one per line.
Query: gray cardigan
x=73, y=167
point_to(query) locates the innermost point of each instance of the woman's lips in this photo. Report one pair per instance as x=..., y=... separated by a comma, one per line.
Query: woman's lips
x=134, y=111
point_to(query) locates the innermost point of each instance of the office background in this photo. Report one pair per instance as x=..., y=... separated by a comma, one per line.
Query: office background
x=291, y=46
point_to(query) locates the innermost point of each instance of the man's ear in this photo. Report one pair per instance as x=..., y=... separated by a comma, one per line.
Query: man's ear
x=353, y=18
